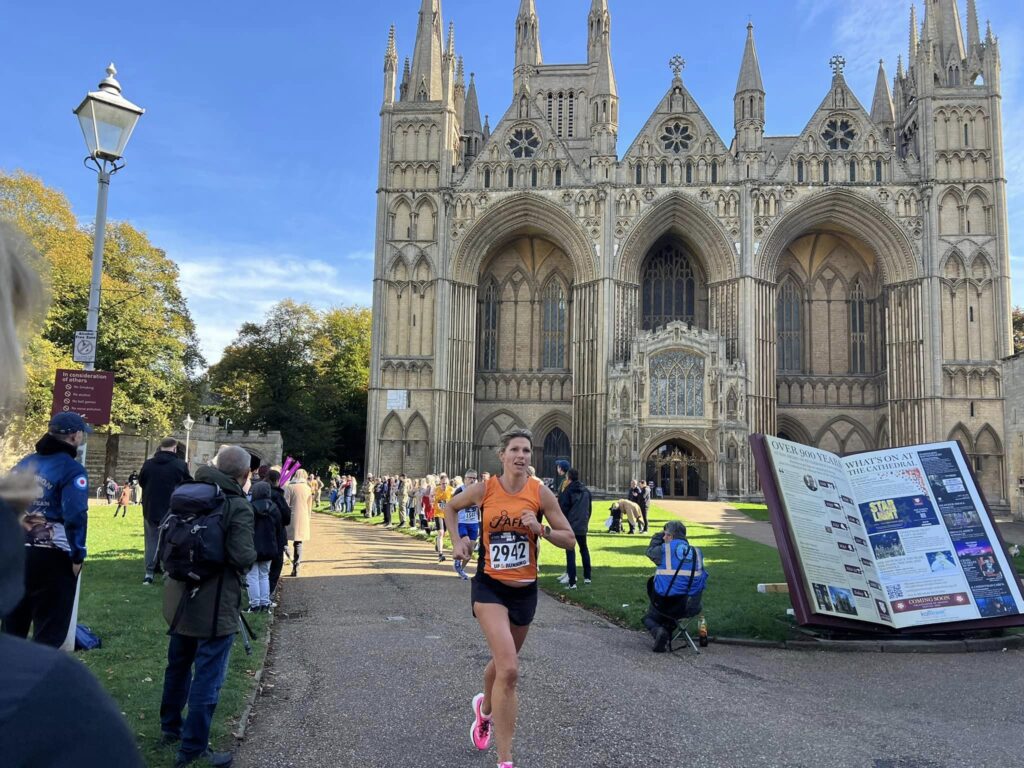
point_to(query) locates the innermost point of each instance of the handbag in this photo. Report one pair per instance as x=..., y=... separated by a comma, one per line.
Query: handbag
x=86, y=639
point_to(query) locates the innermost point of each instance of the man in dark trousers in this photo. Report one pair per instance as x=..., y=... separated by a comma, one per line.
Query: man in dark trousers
x=204, y=619
x=576, y=503
x=55, y=533
x=159, y=477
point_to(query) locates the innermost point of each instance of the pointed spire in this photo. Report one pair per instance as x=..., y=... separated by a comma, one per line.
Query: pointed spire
x=973, y=33
x=403, y=89
x=391, y=54
x=471, y=116
x=487, y=127
x=599, y=23
x=528, y=52
x=750, y=70
x=427, y=57
x=450, y=50
x=951, y=36
x=913, y=33
x=899, y=67
x=989, y=39
x=882, y=112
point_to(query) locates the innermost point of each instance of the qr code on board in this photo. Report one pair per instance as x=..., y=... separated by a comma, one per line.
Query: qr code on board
x=894, y=591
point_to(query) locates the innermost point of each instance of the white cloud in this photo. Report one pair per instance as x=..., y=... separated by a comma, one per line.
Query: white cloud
x=229, y=283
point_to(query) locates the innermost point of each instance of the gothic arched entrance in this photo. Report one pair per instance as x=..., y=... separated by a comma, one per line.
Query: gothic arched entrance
x=556, y=446
x=678, y=469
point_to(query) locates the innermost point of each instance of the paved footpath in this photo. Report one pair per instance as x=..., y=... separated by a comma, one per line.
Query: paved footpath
x=375, y=658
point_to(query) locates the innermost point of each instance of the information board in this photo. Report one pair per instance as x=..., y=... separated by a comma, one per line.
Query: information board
x=87, y=393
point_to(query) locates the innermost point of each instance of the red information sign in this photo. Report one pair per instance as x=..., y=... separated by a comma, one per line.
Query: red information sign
x=87, y=393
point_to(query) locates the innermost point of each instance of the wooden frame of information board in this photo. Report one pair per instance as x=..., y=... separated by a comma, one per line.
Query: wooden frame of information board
x=793, y=569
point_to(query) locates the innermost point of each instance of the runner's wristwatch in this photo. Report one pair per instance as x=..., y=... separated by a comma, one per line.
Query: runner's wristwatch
x=545, y=532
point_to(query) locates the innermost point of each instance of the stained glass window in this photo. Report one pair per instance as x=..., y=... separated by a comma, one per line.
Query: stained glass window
x=858, y=330
x=489, y=324
x=669, y=288
x=676, y=136
x=839, y=133
x=677, y=384
x=553, y=327
x=523, y=143
x=788, y=327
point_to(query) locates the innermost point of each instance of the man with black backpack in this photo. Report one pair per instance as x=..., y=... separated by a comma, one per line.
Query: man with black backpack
x=206, y=546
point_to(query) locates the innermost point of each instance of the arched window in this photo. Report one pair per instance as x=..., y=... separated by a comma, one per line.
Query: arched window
x=800, y=171
x=853, y=170
x=669, y=289
x=714, y=171
x=556, y=446
x=639, y=174
x=511, y=178
x=967, y=141
x=487, y=178
x=825, y=167
x=551, y=108
x=553, y=326
x=677, y=385
x=858, y=330
x=689, y=172
x=789, y=328
x=878, y=170
x=558, y=177
x=664, y=172
x=533, y=177
x=489, y=324
x=572, y=114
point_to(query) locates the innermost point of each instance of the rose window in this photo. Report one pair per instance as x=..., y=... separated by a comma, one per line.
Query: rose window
x=676, y=137
x=839, y=134
x=523, y=142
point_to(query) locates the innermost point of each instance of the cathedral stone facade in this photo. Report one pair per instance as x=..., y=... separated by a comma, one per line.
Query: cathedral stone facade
x=643, y=308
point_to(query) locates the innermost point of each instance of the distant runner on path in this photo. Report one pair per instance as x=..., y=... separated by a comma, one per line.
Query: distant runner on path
x=504, y=589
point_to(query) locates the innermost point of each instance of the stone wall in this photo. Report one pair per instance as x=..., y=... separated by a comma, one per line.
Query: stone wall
x=1013, y=434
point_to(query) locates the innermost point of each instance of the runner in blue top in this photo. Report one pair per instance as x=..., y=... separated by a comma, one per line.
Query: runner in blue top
x=469, y=521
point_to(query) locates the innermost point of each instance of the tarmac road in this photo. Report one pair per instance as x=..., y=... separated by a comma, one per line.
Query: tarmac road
x=375, y=658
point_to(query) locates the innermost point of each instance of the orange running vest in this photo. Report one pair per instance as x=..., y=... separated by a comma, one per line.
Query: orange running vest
x=508, y=549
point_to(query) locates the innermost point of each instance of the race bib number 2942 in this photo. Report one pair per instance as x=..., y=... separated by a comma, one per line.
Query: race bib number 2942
x=509, y=550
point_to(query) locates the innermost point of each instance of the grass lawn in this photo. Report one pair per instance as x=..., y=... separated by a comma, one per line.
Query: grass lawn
x=735, y=566
x=128, y=618
x=754, y=511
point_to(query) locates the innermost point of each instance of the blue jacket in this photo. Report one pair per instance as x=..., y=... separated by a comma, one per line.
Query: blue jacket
x=63, y=499
x=677, y=554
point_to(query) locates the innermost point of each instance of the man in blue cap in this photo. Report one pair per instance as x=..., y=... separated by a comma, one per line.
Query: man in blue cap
x=55, y=528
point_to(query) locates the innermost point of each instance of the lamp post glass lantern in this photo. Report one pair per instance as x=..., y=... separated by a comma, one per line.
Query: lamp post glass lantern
x=107, y=120
x=188, y=423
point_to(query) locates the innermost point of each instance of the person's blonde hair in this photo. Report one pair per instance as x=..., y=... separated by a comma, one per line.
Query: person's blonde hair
x=301, y=476
x=21, y=299
x=511, y=434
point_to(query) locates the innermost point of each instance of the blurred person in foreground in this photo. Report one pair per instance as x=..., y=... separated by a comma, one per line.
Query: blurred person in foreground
x=40, y=684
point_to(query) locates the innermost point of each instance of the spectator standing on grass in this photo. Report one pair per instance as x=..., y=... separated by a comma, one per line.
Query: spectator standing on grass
x=110, y=490
x=55, y=529
x=641, y=496
x=369, y=488
x=160, y=475
x=299, y=496
x=133, y=483
x=350, y=494
x=203, y=620
x=576, y=504
x=124, y=498
x=284, y=519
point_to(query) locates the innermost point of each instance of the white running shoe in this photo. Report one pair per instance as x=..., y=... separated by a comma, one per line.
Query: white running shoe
x=563, y=579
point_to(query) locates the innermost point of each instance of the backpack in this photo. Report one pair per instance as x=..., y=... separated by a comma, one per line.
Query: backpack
x=191, y=544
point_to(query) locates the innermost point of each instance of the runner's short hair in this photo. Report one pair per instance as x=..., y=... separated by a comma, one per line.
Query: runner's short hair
x=511, y=434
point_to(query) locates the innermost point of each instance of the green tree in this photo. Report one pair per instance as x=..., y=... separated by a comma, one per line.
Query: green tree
x=1018, y=329
x=146, y=335
x=305, y=373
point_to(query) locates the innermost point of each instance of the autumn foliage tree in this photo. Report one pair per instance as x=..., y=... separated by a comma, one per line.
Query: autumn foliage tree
x=305, y=372
x=1018, y=329
x=146, y=335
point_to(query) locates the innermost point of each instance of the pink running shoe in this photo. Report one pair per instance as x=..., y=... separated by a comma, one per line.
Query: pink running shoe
x=482, y=728
x=505, y=765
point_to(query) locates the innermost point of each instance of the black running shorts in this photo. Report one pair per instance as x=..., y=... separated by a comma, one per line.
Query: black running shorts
x=520, y=601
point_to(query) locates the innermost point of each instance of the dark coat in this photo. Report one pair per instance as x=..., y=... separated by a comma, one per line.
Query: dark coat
x=267, y=522
x=159, y=477
x=576, y=504
x=213, y=610
x=637, y=496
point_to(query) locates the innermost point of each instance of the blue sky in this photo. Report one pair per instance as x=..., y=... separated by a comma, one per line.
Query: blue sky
x=255, y=164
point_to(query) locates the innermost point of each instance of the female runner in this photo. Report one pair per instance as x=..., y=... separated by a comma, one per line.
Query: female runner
x=504, y=589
